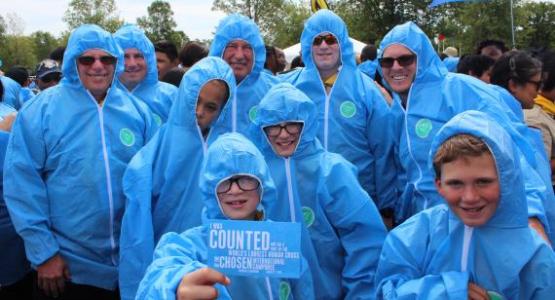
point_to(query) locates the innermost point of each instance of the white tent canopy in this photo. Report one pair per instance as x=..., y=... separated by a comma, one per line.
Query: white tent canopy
x=291, y=52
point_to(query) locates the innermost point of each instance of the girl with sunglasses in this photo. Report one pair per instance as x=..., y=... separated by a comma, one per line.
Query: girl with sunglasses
x=236, y=185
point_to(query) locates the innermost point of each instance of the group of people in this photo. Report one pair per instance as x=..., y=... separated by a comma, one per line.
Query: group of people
x=426, y=185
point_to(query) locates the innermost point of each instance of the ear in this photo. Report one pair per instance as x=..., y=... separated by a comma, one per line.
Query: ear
x=513, y=86
x=437, y=183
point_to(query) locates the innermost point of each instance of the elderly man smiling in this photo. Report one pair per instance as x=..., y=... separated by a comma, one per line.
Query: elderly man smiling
x=63, y=170
x=238, y=42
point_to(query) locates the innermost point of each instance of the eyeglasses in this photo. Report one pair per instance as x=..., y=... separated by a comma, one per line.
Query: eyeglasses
x=330, y=39
x=290, y=127
x=403, y=60
x=245, y=183
x=89, y=60
x=538, y=84
x=51, y=77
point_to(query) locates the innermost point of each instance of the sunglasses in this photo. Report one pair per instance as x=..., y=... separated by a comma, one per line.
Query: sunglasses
x=89, y=60
x=330, y=39
x=245, y=183
x=403, y=60
x=291, y=128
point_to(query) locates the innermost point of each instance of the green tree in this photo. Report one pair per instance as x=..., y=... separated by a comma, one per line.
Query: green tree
x=537, y=22
x=18, y=50
x=280, y=21
x=2, y=27
x=44, y=43
x=160, y=25
x=99, y=12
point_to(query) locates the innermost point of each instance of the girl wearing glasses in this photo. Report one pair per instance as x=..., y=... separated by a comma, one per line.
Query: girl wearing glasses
x=319, y=189
x=236, y=185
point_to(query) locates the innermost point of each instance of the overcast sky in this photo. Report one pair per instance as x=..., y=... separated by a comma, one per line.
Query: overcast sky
x=194, y=17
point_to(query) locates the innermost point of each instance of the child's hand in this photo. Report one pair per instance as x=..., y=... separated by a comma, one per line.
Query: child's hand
x=535, y=224
x=475, y=292
x=200, y=284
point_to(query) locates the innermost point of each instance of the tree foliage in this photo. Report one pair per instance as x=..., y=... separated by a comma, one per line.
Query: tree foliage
x=18, y=50
x=280, y=21
x=160, y=25
x=99, y=12
x=43, y=44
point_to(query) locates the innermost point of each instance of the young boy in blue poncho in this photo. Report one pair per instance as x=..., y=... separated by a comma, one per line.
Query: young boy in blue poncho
x=479, y=245
x=235, y=183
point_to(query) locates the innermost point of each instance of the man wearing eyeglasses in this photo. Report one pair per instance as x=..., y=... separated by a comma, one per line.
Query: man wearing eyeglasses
x=140, y=76
x=426, y=96
x=239, y=43
x=353, y=116
x=64, y=163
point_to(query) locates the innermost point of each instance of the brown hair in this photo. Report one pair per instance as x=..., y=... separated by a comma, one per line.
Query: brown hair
x=460, y=145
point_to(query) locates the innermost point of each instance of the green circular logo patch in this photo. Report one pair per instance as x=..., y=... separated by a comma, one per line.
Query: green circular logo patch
x=284, y=290
x=252, y=113
x=423, y=128
x=348, y=109
x=157, y=119
x=495, y=296
x=308, y=216
x=127, y=137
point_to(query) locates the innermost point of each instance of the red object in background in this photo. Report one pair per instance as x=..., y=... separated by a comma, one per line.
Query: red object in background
x=441, y=37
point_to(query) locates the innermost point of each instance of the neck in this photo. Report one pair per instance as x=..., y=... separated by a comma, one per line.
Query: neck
x=325, y=74
x=404, y=97
x=99, y=97
x=130, y=85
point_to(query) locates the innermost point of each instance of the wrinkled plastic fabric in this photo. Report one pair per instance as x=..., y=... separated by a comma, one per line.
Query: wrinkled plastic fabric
x=369, y=68
x=320, y=189
x=11, y=92
x=13, y=263
x=422, y=258
x=451, y=64
x=62, y=187
x=158, y=96
x=358, y=121
x=177, y=255
x=255, y=85
x=161, y=181
x=434, y=98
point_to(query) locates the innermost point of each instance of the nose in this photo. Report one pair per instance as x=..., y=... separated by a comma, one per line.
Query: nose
x=470, y=194
x=97, y=64
x=234, y=188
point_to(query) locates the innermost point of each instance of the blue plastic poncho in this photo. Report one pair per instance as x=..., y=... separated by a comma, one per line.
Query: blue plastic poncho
x=369, y=68
x=13, y=263
x=433, y=255
x=255, y=85
x=435, y=97
x=179, y=254
x=157, y=95
x=11, y=92
x=344, y=225
x=354, y=118
x=64, y=165
x=161, y=181
x=451, y=63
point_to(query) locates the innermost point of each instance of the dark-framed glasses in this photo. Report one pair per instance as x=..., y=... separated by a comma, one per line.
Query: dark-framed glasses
x=537, y=84
x=290, y=127
x=89, y=60
x=244, y=182
x=330, y=39
x=403, y=60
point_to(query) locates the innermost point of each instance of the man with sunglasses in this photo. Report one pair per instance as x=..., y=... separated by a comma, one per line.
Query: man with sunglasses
x=48, y=74
x=64, y=163
x=140, y=76
x=353, y=116
x=239, y=43
x=426, y=96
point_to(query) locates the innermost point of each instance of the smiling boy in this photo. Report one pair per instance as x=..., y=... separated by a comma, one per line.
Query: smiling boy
x=479, y=245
